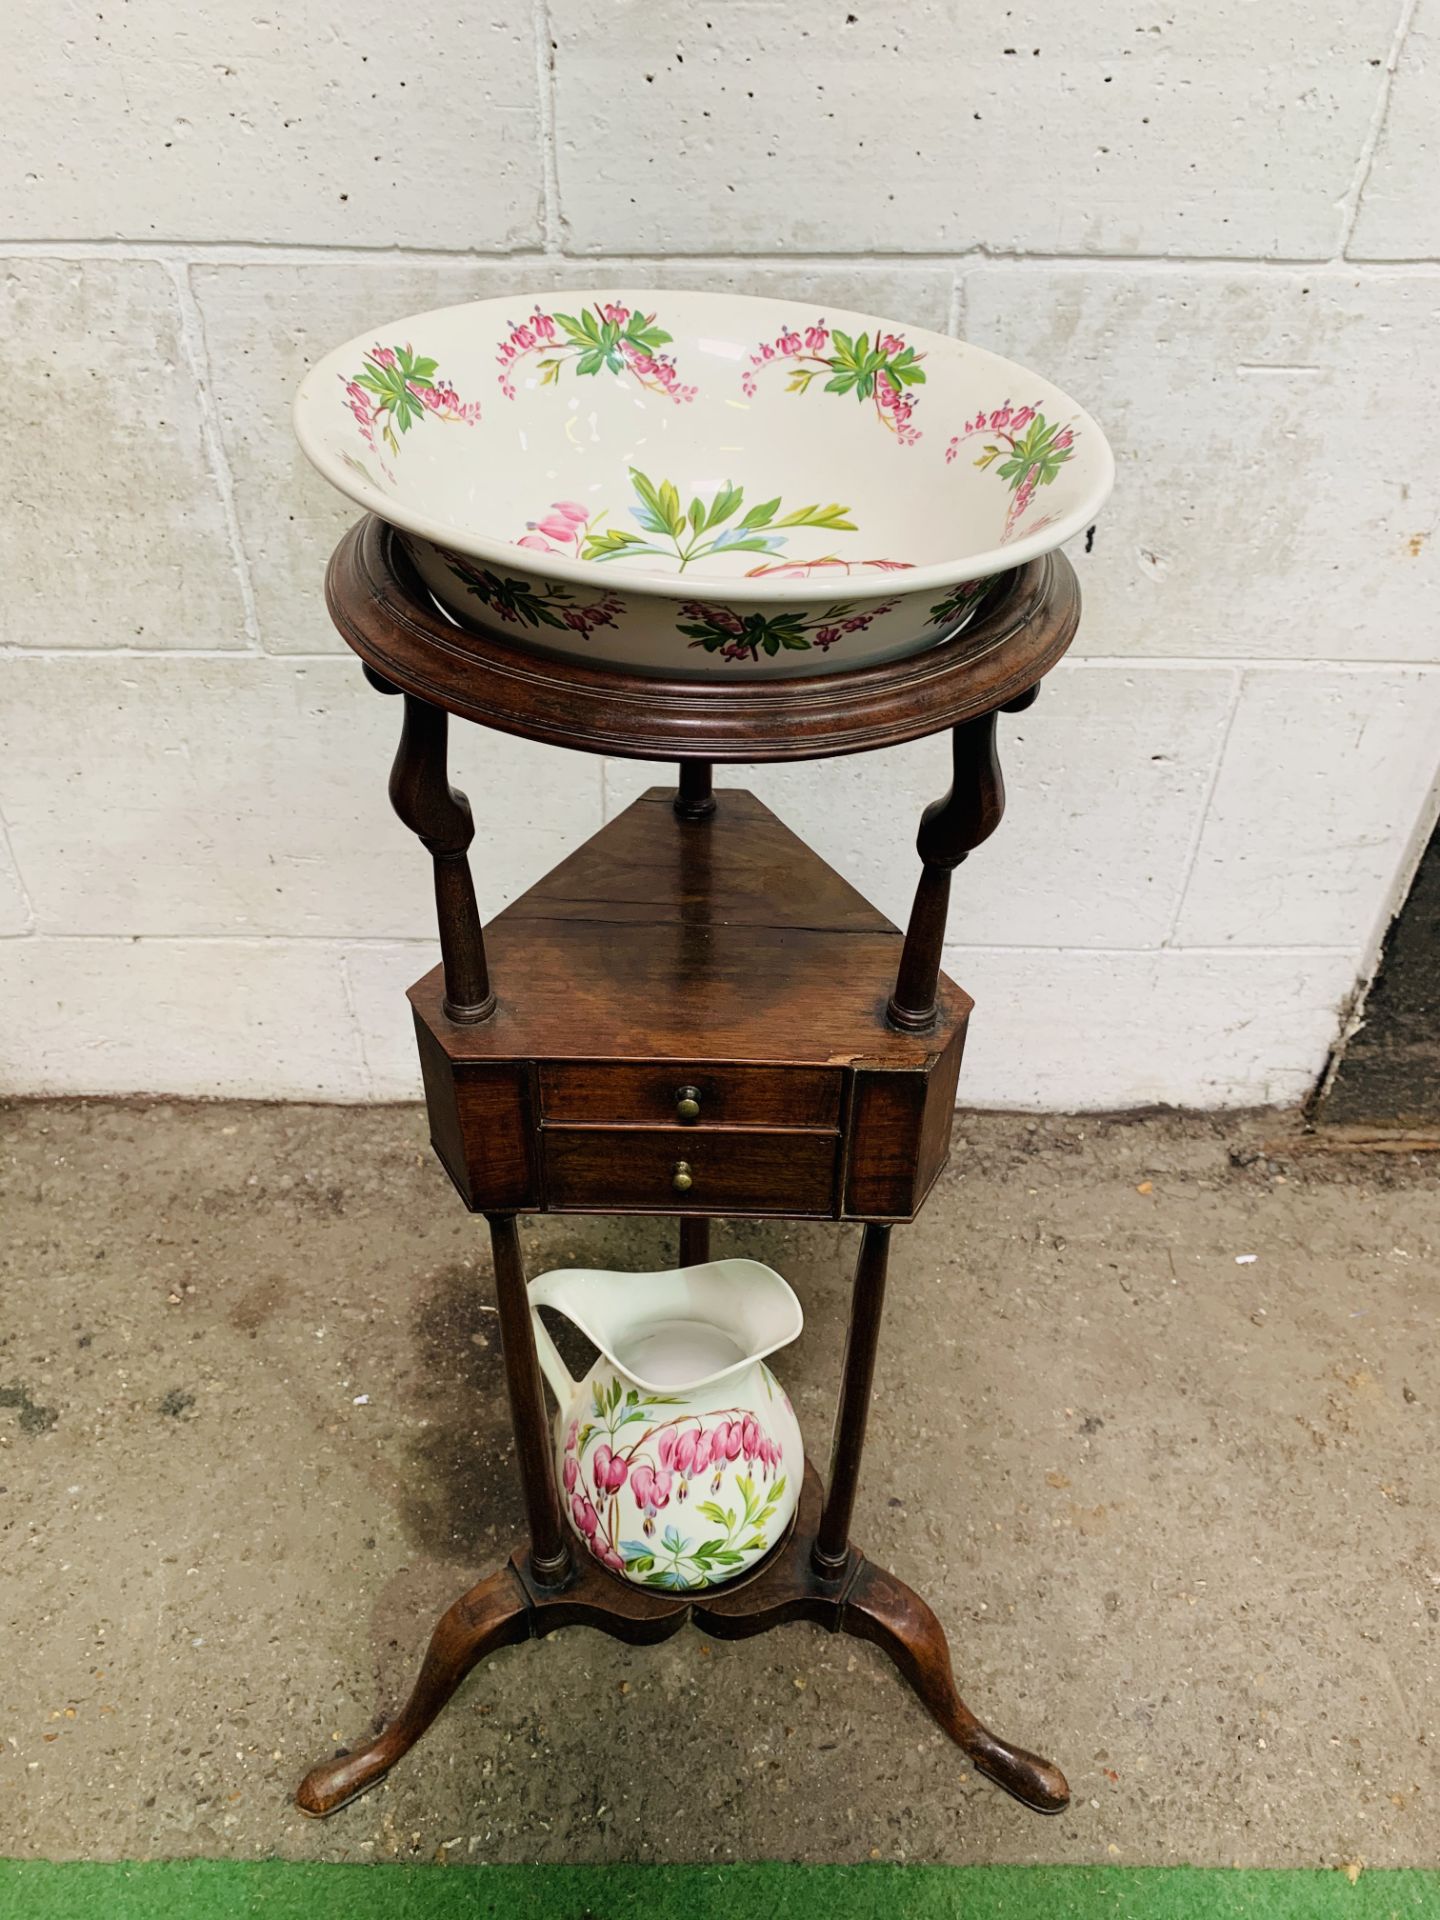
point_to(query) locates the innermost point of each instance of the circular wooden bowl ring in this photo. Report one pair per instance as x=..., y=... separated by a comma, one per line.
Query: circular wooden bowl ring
x=385, y=615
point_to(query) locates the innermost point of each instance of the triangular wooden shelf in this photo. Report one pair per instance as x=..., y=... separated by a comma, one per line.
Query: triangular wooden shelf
x=668, y=952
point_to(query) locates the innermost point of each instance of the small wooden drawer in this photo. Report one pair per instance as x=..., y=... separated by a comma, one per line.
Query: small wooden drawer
x=619, y=1093
x=730, y=1170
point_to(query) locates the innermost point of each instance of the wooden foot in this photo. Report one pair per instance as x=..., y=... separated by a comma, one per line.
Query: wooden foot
x=879, y=1608
x=861, y=1599
x=494, y=1614
x=503, y=1610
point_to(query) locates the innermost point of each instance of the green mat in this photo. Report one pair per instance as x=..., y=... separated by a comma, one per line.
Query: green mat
x=275, y=1890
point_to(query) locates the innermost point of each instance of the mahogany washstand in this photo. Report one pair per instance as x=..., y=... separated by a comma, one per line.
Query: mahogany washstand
x=693, y=1015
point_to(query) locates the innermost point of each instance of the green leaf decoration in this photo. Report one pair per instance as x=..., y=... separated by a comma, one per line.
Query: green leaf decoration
x=605, y=546
x=670, y=508
x=762, y=515
x=726, y=502
x=831, y=516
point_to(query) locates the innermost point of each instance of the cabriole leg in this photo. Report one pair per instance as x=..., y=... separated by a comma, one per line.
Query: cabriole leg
x=883, y=1610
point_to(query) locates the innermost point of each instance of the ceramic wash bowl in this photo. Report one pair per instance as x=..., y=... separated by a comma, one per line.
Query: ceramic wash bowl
x=706, y=485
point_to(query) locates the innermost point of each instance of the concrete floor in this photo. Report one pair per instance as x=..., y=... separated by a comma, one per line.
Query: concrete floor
x=1178, y=1513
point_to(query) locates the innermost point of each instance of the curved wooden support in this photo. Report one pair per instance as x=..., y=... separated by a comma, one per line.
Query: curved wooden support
x=950, y=829
x=494, y=1614
x=863, y=1600
x=883, y=1610
x=439, y=815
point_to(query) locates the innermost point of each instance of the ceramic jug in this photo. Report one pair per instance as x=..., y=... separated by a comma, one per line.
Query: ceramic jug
x=679, y=1455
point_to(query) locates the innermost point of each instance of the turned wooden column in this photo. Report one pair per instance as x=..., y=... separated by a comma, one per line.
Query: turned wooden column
x=867, y=1305
x=439, y=815
x=694, y=1241
x=695, y=799
x=534, y=1445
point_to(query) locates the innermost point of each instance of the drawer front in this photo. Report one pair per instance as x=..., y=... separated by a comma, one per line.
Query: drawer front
x=727, y=1096
x=633, y=1170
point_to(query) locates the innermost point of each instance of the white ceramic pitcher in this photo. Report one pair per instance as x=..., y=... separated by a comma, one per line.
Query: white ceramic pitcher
x=679, y=1454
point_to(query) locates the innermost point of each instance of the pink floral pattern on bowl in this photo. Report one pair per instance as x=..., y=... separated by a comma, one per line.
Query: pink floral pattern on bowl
x=960, y=602
x=395, y=390
x=881, y=372
x=804, y=569
x=734, y=635
x=1031, y=452
x=523, y=603
x=671, y=531
x=606, y=338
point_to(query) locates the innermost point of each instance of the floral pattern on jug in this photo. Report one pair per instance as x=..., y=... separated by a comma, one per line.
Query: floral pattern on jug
x=731, y=1456
x=606, y=338
x=1031, y=451
x=879, y=372
x=686, y=1483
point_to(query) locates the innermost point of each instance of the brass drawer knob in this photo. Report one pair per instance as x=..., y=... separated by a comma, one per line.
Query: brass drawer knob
x=682, y=1179
x=687, y=1103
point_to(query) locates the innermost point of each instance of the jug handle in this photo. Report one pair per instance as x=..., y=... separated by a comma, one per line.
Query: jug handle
x=562, y=1382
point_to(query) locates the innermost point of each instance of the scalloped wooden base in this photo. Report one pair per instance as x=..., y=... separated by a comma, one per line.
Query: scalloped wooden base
x=863, y=1600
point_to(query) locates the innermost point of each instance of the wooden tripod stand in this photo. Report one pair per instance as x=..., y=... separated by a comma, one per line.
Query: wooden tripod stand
x=695, y=1016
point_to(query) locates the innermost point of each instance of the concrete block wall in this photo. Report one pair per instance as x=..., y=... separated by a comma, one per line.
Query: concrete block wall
x=1218, y=226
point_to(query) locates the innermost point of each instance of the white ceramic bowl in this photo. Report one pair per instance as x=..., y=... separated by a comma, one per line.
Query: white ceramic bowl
x=695, y=484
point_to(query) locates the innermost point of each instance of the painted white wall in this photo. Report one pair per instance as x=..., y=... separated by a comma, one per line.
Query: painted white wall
x=1217, y=225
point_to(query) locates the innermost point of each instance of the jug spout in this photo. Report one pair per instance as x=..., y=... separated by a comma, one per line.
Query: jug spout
x=671, y=1332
